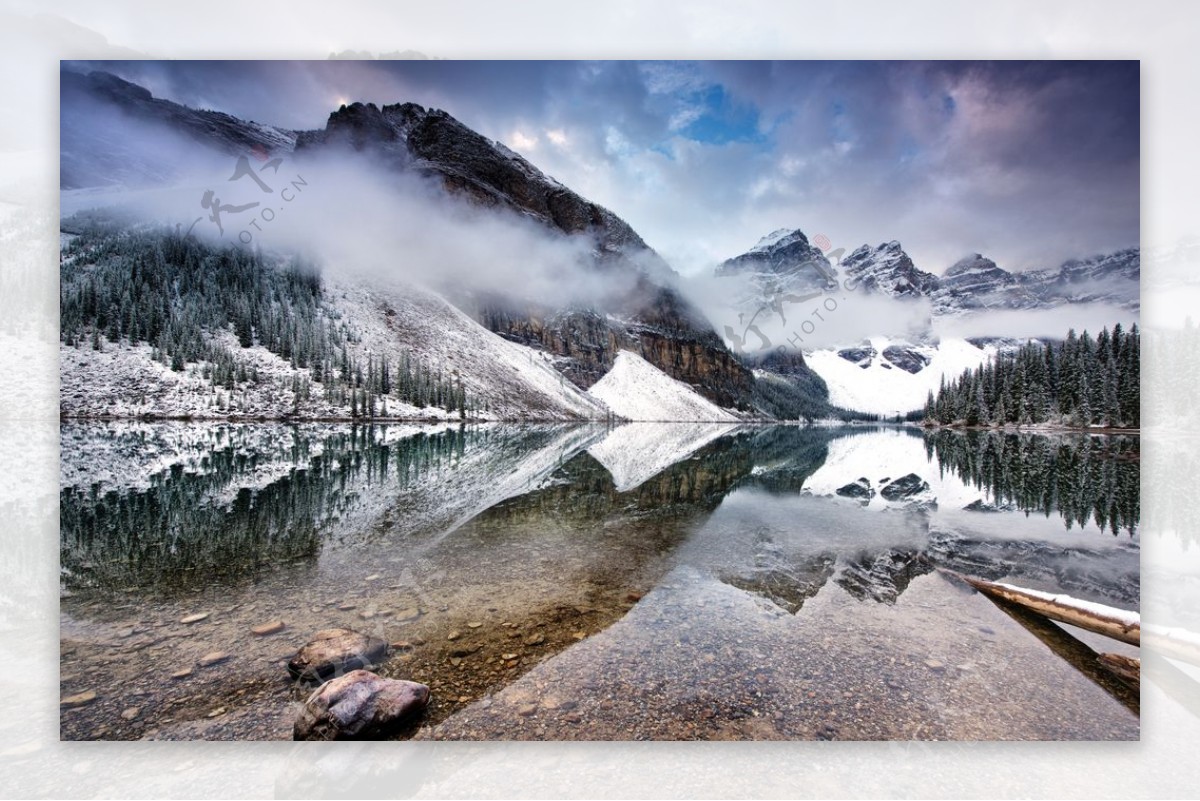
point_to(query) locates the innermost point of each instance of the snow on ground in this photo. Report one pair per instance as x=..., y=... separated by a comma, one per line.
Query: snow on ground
x=636, y=452
x=639, y=391
x=889, y=390
x=123, y=381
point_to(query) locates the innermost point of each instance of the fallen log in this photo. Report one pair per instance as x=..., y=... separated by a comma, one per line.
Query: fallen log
x=1107, y=620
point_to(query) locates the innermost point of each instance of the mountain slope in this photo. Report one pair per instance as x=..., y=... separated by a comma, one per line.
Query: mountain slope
x=158, y=325
x=782, y=262
x=644, y=312
x=115, y=132
x=894, y=369
x=639, y=391
x=142, y=140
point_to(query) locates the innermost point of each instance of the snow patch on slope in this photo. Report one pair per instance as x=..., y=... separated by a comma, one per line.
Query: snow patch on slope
x=882, y=388
x=639, y=391
x=636, y=452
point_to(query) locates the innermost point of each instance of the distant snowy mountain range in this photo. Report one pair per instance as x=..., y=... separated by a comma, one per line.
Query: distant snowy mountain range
x=785, y=261
x=889, y=371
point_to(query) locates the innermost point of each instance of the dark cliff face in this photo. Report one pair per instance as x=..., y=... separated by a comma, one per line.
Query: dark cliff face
x=649, y=317
x=585, y=342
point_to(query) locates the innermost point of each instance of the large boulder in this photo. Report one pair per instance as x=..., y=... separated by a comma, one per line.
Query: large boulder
x=336, y=652
x=359, y=705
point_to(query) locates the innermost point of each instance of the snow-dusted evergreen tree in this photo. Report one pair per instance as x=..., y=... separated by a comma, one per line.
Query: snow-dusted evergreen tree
x=1081, y=382
x=176, y=294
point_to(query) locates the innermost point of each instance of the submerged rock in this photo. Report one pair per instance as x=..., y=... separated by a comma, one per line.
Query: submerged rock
x=266, y=629
x=79, y=699
x=359, y=705
x=213, y=658
x=334, y=652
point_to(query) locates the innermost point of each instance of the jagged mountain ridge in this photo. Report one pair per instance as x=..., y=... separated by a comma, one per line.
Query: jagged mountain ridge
x=972, y=284
x=651, y=318
x=888, y=371
x=888, y=269
x=101, y=115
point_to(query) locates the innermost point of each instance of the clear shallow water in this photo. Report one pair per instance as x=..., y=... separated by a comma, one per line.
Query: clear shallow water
x=649, y=581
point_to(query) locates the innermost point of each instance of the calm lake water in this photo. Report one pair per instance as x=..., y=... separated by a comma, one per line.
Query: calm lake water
x=645, y=581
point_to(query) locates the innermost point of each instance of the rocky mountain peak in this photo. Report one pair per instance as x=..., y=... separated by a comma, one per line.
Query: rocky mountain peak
x=888, y=269
x=972, y=262
x=780, y=238
x=782, y=261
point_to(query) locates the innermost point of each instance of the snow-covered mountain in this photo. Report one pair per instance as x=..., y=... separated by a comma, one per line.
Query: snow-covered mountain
x=782, y=262
x=886, y=268
x=1107, y=278
x=113, y=132
x=976, y=283
x=639, y=391
x=116, y=133
x=504, y=379
x=644, y=314
x=892, y=370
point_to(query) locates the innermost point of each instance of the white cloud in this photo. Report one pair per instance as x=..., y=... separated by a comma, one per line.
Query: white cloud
x=519, y=141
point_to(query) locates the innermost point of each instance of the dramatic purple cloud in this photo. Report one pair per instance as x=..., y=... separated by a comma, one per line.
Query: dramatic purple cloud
x=1028, y=162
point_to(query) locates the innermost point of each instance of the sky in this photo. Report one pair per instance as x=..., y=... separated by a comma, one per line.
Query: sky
x=1027, y=162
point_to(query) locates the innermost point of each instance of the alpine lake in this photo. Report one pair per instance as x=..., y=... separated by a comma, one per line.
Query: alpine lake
x=591, y=582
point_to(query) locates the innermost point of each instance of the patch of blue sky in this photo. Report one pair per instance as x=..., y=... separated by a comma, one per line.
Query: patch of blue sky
x=719, y=120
